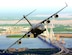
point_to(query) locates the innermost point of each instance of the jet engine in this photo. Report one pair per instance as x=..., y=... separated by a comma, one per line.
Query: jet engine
x=56, y=16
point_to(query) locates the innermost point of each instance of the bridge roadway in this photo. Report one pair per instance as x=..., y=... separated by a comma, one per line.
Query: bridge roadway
x=56, y=44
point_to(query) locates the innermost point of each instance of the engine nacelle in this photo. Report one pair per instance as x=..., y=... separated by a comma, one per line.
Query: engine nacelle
x=56, y=16
x=19, y=42
x=48, y=21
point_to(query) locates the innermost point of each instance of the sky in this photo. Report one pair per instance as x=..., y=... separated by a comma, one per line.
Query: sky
x=18, y=8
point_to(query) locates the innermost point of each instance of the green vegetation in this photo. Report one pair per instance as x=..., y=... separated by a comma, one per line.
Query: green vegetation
x=61, y=28
x=2, y=30
x=58, y=28
x=15, y=36
x=14, y=25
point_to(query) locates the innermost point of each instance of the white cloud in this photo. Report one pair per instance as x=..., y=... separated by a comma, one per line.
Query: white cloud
x=42, y=15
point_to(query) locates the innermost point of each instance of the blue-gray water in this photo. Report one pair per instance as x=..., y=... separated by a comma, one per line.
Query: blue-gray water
x=29, y=43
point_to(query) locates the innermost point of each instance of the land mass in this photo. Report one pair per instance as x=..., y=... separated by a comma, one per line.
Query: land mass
x=35, y=21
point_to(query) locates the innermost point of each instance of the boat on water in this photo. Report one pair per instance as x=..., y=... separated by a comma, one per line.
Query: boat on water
x=37, y=30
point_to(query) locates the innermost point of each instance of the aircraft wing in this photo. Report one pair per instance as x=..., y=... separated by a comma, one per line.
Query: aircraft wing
x=16, y=41
x=54, y=14
x=35, y=26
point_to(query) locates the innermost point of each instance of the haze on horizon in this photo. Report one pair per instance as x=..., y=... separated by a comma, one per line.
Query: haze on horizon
x=18, y=8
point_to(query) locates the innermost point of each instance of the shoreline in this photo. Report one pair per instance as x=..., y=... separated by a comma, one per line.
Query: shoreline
x=35, y=21
x=18, y=36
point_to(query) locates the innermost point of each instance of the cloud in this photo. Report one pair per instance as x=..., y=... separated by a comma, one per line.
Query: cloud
x=42, y=15
x=65, y=15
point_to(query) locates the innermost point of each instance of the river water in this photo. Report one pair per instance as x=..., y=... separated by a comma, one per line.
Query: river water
x=29, y=43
